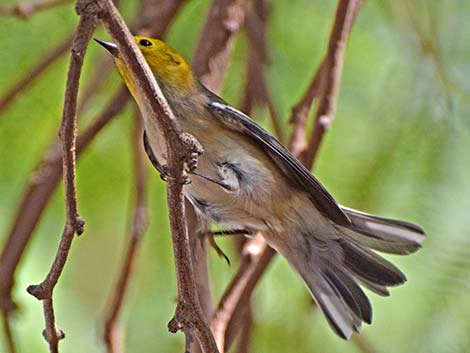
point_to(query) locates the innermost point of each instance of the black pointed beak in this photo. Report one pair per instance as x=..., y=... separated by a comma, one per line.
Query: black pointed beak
x=111, y=47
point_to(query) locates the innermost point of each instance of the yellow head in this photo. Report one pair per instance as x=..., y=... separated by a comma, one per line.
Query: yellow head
x=168, y=66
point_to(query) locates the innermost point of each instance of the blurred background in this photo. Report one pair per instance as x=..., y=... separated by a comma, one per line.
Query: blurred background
x=399, y=147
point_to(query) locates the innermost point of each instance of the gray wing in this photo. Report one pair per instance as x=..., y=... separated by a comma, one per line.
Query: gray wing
x=288, y=164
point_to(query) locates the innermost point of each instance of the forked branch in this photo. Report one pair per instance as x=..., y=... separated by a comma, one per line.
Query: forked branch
x=26, y=9
x=68, y=132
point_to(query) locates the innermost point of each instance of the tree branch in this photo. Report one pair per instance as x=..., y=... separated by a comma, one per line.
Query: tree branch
x=9, y=341
x=25, y=10
x=155, y=16
x=34, y=73
x=255, y=258
x=215, y=44
x=43, y=183
x=256, y=88
x=257, y=255
x=139, y=226
x=246, y=329
x=300, y=111
x=345, y=15
x=74, y=225
x=180, y=148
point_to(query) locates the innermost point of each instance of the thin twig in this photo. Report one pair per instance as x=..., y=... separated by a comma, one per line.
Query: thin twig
x=74, y=225
x=155, y=16
x=216, y=41
x=51, y=333
x=26, y=9
x=154, y=19
x=345, y=15
x=188, y=316
x=254, y=261
x=139, y=226
x=246, y=326
x=32, y=74
x=430, y=46
x=9, y=341
x=256, y=87
x=43, y=183
x=300, y=111
x=258, y=255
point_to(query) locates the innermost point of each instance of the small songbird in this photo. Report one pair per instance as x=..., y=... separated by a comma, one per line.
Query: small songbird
x=246, y=180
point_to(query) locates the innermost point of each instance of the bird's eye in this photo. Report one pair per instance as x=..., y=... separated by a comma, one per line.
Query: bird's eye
x=145, y=43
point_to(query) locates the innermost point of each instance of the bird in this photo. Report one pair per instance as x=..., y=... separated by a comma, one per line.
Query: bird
x=247, y=180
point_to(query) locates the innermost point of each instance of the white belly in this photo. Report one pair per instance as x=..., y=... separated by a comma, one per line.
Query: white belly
x=246, y=204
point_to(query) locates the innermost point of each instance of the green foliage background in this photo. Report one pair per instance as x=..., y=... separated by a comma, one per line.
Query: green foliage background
x=399, y=147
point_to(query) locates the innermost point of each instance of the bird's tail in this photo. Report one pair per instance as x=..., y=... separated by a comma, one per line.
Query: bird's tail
x=333, y=269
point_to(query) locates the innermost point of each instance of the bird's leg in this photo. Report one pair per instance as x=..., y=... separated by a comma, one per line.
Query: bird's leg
x=211, y=240
x=191, y=165
x=228, y=232
x=212, y=180
x=163, y=169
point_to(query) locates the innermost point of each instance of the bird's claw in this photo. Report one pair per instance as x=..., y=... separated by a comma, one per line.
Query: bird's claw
x=210, y=239
x=165, y=175
x=185, y=179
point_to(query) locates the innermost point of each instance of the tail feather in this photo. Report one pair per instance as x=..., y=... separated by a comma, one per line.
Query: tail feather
x=357, y=293
x=376, y=288
x=383, y=234
x=334, y=285
x=335, y=261
x=340, y=298
x=370, y=266
x=345, y=295
x=333, y=306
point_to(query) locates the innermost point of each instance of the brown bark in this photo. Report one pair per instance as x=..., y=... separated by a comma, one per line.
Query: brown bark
x=345, y=15
x=68, y=131
x=26, y=9
x=7, y=334
x=256, y=87
x=216, y=41
x=112, y=334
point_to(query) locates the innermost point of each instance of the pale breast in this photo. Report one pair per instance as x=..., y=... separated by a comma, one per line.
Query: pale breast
x=246, y=201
